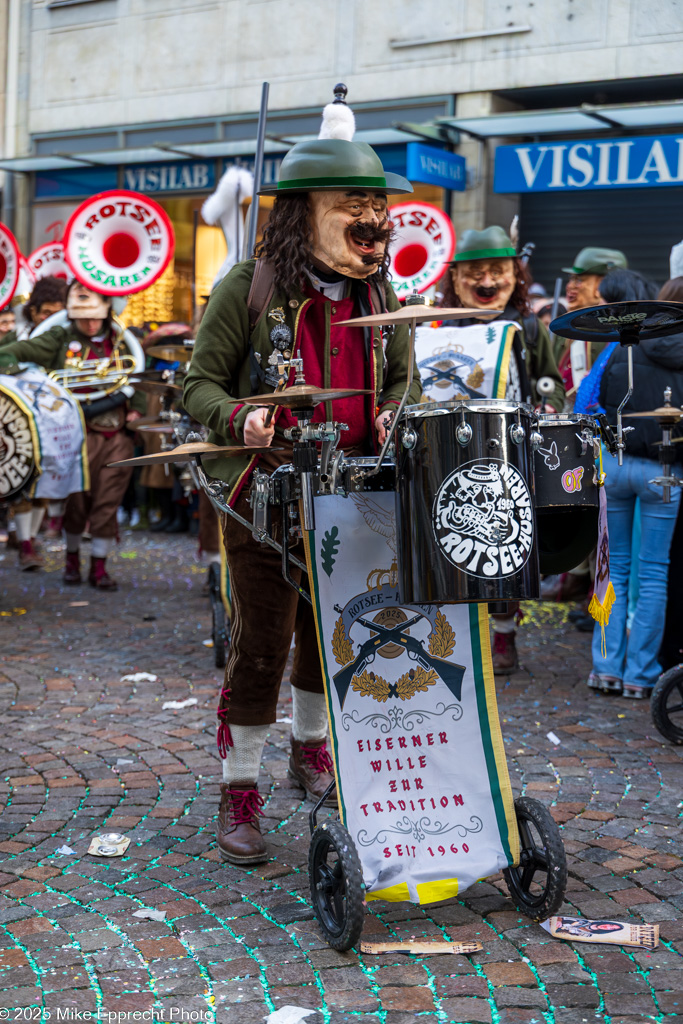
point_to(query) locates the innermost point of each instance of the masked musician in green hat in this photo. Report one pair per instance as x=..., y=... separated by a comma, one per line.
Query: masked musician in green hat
x=323, y=259
x=487, y=273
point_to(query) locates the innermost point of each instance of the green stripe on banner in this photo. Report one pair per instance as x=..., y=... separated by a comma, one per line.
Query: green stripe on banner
x=487, y=743
x=310, y=541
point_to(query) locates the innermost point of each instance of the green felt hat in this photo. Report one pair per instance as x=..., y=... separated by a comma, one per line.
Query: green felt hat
x=491, y=243
x=594, y=260
x=334, y=165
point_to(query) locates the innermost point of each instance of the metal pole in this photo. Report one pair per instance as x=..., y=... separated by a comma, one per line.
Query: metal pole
x=258, y=169
x=556, y=298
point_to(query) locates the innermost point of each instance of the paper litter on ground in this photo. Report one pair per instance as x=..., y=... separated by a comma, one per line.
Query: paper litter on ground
x=553, y=738
x=412, y=946
x=139, y=677
x=176, y=705
x=288, y=1015
x=616, y=933
x=153, y=915
x=65, y=851
x=123, y=760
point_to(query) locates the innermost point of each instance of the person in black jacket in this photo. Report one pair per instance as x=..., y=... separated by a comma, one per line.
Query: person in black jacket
x=632, y=663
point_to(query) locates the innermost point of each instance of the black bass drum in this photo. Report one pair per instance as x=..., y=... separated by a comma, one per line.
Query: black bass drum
x=465, y=498
x=566, y=490
x=17, y=465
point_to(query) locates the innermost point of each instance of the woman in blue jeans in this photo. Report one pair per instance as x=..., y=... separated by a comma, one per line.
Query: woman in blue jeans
x=631, y=664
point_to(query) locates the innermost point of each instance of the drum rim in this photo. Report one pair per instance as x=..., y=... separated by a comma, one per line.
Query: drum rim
x=567, y=419
x=486, y=405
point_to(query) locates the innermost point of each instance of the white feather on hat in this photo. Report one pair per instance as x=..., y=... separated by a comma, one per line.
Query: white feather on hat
x=338, y=122
x=222, y=207
x=676, y=260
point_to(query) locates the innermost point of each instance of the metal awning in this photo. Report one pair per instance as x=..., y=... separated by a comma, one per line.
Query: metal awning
x=569, y=120
x=166, y=153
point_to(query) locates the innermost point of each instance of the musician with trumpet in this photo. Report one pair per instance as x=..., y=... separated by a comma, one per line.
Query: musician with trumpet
x=91, y=355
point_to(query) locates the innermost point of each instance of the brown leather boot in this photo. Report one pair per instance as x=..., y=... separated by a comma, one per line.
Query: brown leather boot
x=99, y=577
x=311, y=766
x=504, y=654
x=29, y=556
x=72, y=569
x=238, y=831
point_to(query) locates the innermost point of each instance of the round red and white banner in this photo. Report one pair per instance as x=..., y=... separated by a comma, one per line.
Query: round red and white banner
x=48, y=260
x=424, y=242
x=25, y=284
x=9, y=265
x=118, y=242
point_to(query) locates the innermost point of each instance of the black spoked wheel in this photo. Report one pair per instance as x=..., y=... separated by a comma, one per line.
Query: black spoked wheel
x=220, y=627
x=336, y=879
x=537, y=886
x=666, y=704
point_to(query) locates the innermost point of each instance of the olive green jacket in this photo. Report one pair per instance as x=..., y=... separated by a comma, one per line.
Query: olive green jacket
x=540, y=362
x=221, y=369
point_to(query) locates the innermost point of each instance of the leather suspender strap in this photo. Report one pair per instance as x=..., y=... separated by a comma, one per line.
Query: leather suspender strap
x=260, y=292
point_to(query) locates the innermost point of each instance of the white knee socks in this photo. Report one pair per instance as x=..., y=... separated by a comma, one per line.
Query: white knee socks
x=506, y=624
x=213, y=556
x=309, y=715
x=243, y=760
x=22, y=522
x=101, y=546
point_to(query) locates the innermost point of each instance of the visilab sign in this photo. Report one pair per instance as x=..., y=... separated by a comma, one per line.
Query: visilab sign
x=571, y=166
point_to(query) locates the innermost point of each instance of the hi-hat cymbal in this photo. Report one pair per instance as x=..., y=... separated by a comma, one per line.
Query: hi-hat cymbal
x=157, y=387
x=419, y=313
x=665, y=412
x=628, y=322
x=171, y=353
x=303, y=396
x=185, y=452
x=153, y=428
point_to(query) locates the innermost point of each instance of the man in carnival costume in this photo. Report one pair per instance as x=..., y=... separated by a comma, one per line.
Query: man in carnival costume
x=323, y=259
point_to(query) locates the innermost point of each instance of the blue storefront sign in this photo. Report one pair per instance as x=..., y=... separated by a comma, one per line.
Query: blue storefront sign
x=184, y=176
x=560, y=166
x=434, y=166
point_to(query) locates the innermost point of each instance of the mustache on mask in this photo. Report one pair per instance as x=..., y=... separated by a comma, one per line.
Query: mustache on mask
x=487, y=293
x=363, y=232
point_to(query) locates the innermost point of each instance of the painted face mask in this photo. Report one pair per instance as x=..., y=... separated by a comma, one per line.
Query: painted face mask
x=482, y=284
x=350, y=231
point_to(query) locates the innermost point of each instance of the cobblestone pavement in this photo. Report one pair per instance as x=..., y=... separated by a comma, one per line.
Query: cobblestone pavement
x=84, y=751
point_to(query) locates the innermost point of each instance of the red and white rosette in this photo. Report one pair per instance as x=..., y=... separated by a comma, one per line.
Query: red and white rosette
x=118, y=242
x=10, y=258
x=48, y=260
x=424, y=242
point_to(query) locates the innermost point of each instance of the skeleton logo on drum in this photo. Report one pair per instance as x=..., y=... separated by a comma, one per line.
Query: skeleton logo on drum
x=482, y=519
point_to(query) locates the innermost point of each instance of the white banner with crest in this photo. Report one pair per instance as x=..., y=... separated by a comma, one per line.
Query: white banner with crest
x=465, y=362
x=421, y=773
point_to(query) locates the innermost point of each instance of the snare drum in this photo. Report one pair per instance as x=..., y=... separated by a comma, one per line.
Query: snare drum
x=465, y=503
x=566, y=490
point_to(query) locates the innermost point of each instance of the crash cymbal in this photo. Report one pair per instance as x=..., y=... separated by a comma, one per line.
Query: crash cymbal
x=665, y=412
x=154, y=428
x=628, y=322
x=172, y=353
x=185, y=452
x=419, y=313
x=303, y=396
x=156, y=387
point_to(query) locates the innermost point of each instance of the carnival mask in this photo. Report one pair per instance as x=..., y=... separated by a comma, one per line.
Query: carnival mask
x=350, y=231
x=482, y=284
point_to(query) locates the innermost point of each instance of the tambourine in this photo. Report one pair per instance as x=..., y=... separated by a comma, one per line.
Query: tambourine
x=423, y=243
x=10, y=265
x=118, y=242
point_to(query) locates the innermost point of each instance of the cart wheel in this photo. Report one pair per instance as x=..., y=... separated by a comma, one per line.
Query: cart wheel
x=220, y=630
x=666, y=704
x=537, y=886
x=336, y=879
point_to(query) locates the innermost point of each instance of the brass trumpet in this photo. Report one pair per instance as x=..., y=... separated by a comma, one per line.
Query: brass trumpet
x=91, y=379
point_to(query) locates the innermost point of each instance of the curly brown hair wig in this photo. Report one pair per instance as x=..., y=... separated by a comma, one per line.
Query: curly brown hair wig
x=286, y=244
x=519, y=298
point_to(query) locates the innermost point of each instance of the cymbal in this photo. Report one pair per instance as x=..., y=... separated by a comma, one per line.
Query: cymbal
x=153, y=428
x=419, y=313
x=171, y=353
x=665, y=412
x=303, y=396
x=156, y=387
x=628, y=322
x=185, y=452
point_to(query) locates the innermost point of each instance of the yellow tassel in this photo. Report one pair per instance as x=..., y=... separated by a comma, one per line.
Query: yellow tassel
x=601, y=613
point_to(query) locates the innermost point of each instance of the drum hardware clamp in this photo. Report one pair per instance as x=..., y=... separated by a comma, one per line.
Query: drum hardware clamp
x=408, y=438
x=463, y=431
x=517, y=433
